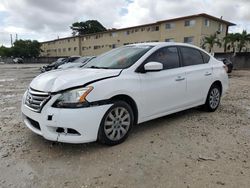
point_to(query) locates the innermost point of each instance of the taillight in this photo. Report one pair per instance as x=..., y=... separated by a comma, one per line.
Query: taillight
x=225, y=67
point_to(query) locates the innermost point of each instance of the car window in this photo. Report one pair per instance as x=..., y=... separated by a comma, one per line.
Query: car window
x=168, y=56
x=119, y=58
x=205, y=57
x=191, y=56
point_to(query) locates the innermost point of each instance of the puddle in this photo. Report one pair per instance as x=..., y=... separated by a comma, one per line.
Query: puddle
x=7, y=80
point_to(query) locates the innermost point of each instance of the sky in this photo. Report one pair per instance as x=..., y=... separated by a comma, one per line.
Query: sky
x=44, y=20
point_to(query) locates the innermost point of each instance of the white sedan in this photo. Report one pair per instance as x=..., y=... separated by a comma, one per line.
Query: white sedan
x=123, y=87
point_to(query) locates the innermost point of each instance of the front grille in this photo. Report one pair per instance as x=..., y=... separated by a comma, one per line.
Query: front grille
x=35, y=100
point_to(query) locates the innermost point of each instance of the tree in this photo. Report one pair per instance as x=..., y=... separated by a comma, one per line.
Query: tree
x=87, y=27
x=26, y=48
x=22, y=48
x=211, y=41
x=242, y=38
x=230, y=41
x=5, y=52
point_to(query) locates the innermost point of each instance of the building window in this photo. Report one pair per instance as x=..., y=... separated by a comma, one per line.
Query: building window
x=155, y=28
x=68, y=40
x=170, y=25
x=113, y=46
x=148, y=29
x=75, y=48
x=136, y=30
x=74, y=39
x=96, y=47
x=64, y=49
x=127, y=32
x=69, y=49
x=207, y=22
x=220, y=27
x=113, y=34
x=189, y=40
x=59, y=50
x=142, y=29
x=169, y=40
x=189, y=23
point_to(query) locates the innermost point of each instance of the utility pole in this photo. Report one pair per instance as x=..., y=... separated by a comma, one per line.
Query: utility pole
x=16, y=37
x=11, y=41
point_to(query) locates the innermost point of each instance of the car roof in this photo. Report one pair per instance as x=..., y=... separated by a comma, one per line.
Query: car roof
x=163, y=44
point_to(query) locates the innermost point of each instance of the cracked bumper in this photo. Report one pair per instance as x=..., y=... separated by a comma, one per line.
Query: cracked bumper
x=85, y=121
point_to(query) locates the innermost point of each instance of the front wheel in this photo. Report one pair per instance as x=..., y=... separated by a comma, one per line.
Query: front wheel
x=116, y=124
x=213, y=98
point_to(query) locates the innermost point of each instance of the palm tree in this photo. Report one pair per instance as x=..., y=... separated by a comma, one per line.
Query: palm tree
x=230, y=39
x=211, y=41
x=243, y=39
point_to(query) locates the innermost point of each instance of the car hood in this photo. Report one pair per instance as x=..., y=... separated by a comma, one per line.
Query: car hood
x=70, y=65
x=58, y=80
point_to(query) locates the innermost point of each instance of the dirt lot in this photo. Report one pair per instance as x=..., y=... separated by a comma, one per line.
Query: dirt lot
x=187, y=149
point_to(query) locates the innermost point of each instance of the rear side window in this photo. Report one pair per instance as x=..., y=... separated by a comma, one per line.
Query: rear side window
x=191, y=56
x=168, y=56
x=205, y=57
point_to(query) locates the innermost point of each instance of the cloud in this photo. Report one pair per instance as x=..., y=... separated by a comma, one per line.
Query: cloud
x=48, y=19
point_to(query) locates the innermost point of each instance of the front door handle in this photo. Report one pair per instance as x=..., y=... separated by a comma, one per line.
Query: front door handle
x=179, y=78
x=208, y=73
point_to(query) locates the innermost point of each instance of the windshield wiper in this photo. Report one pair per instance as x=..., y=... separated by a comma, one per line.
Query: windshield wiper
x=95, y=67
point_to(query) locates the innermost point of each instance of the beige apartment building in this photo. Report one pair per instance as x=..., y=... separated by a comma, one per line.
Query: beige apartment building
x=189, y=29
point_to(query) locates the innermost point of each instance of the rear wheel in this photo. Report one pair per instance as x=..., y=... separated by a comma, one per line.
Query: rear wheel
x=116, y=124
x=213, y=98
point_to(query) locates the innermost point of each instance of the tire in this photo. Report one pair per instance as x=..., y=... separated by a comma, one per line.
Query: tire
x=116, y=124
x=213, y=98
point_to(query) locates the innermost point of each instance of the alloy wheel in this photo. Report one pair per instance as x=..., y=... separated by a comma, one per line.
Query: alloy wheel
x=117, y=123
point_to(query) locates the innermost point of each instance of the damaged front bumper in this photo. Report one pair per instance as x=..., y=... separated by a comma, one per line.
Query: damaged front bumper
x=78, y=125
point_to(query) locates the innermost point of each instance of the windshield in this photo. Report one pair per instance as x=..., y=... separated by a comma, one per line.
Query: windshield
x=80, y=60
x=119, y=58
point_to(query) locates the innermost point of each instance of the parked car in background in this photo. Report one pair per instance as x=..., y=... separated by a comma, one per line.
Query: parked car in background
x=77, y=63
x=118, y=89
x=228, y=63
x=18, y=60
x=58, y=63
x=52, y=65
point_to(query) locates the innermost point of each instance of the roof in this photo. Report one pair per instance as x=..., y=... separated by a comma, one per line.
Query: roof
x=199, y=15
x=151, y=24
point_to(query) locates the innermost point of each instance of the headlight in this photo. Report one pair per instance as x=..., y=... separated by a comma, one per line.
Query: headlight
x=75, y=98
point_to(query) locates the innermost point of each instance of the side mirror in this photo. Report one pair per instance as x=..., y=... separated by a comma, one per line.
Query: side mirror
x=153, y=66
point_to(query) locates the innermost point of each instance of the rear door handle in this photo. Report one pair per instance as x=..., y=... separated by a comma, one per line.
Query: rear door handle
x=179, y=78
x=208, y=73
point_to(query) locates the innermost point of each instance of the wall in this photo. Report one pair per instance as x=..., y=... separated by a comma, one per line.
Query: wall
x=240, y=61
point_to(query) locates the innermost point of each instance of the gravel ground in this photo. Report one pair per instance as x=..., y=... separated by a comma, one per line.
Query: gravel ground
x=188, y=149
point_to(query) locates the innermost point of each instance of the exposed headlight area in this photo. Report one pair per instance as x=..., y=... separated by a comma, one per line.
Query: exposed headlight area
x=75, y=98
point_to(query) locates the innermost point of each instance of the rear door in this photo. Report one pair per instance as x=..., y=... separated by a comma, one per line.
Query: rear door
x=164, y=90
x=198, y=73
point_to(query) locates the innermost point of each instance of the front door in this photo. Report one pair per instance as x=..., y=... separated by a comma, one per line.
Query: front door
x=163, y=91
